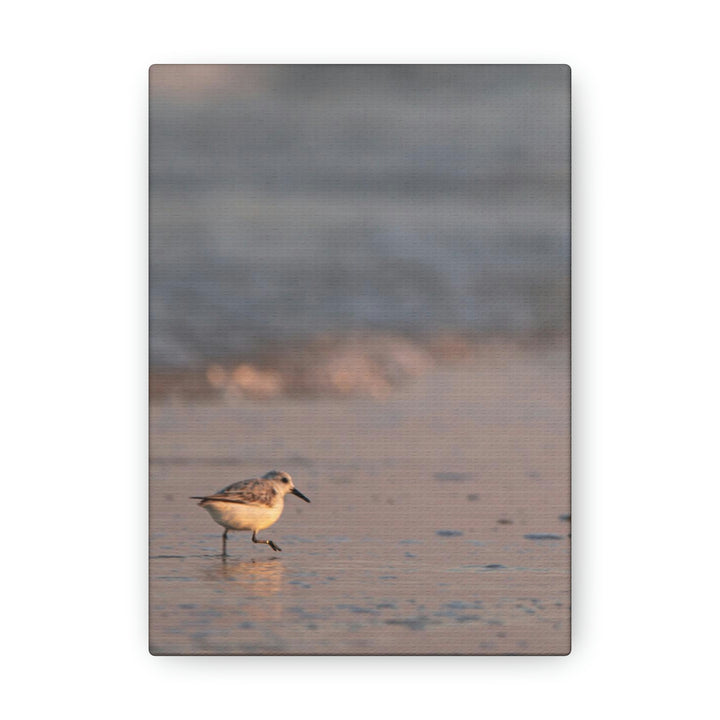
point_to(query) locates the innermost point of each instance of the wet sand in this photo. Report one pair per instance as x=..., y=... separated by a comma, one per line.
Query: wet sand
x=439, y=521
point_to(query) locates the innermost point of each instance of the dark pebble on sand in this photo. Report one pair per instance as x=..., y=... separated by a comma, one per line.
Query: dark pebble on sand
x=564, y=518
x=418, y=623
x=358, y=609
x=449, y=533
x=505, y=521
x=494, y=566
x=452, y=476
x=542, y=536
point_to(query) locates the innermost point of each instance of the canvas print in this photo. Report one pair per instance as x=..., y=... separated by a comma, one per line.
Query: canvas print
x=359, y=360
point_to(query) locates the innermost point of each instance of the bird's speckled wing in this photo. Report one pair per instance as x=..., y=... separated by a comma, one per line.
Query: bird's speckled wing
x=247, y=492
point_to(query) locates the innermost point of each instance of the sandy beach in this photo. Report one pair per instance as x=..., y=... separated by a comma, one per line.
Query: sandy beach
x=439, y=522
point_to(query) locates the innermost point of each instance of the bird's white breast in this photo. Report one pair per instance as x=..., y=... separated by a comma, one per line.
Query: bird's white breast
x=237, y=516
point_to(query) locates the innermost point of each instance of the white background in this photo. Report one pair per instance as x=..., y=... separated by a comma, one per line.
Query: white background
x=74, y=302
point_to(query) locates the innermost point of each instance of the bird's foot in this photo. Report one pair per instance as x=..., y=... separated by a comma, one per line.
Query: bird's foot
x=274, y=546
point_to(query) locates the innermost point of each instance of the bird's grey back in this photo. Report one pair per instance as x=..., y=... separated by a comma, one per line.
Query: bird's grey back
x=255, y=490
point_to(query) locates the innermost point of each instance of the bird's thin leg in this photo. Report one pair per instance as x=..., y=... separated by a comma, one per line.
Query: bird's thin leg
x=224, y=552
x=265, y=542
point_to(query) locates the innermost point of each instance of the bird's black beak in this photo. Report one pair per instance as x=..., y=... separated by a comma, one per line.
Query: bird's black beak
x=295, y=491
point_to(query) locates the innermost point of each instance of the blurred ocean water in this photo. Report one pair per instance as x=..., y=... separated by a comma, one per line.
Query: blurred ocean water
x=291, y=201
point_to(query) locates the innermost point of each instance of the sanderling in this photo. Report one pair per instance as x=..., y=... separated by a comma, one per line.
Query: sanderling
x=250, y=504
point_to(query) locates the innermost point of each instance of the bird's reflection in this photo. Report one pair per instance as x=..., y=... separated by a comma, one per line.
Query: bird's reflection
x=254, y=578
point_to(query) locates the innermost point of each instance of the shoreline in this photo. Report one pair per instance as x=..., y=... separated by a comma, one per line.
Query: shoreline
x=340, y=365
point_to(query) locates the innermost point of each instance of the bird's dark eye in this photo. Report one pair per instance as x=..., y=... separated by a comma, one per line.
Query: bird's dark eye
x=285, y=480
